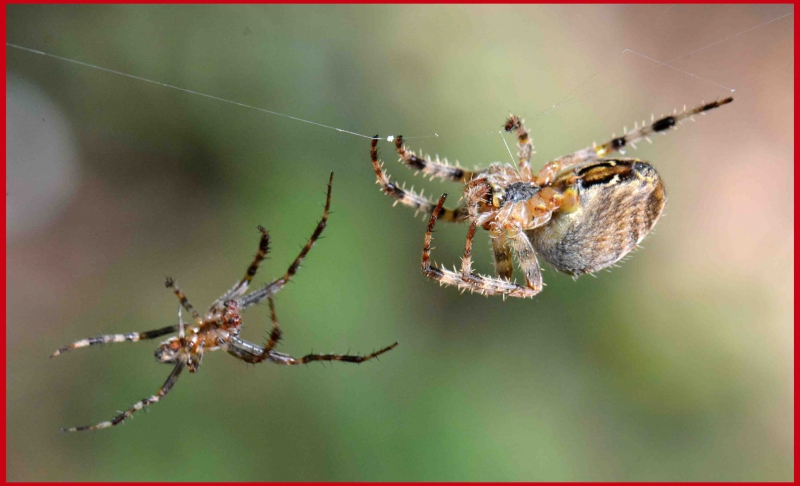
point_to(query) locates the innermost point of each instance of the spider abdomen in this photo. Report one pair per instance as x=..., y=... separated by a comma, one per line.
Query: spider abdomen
x=620, y=201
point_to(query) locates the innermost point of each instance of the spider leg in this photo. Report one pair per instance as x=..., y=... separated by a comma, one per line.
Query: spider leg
x=273, y=287
x=525, y=145
x=287, y=360
x=503, y=264
x=466, y=280
x=170, y=284
x=173, y=377
x=526, y=256
x=254, y=354
x=275, y=334
x=116, y=338
x=429, y=167
x=409, y=197
x=548, y=173
x=241, y=287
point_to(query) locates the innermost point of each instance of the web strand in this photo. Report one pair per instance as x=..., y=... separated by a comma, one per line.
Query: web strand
x=669, y=63
x=570, y=97
x=730, y=37
x=679, y=70
x=139, y=78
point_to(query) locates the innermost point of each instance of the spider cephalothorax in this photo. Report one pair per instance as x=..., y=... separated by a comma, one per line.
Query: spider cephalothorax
x=581, y=212
x=219, y=328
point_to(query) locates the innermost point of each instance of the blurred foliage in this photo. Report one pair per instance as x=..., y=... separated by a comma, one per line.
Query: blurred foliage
x=676, y=366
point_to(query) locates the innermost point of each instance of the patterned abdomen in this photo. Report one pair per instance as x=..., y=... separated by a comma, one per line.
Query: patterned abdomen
x=620, y=202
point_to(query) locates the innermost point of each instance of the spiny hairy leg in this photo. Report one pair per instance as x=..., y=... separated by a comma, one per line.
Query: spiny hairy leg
x=429, y=167
x=170, y=284
x=473, y=282
x=254, y=354
x=241, y=287
x=526, y=256
x=273, y=287
x=407, y=196
x=173, y=377
x=116, y=338
x=251, y=353
x=285, y=359
x=503, y=262
x=589, y=154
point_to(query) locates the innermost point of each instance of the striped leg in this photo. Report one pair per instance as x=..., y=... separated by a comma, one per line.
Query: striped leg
x=525, y=145
x=275, y=334
x=287, y=360
x=173, y=377
x=254, y=354
x=503, y=264
x=271, y=288
x=618, y=144
x=170, y=284
x=116, y=338
x=241, y=287
x=472, y=281
x=442, y=170
x=526, y=256
x=407, y=196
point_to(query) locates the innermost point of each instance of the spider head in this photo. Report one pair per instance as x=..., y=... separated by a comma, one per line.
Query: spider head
x=169, y=350
x=513, y=193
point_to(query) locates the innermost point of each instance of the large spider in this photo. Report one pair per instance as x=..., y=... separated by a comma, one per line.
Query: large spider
x=581, y=212
x=219, y=329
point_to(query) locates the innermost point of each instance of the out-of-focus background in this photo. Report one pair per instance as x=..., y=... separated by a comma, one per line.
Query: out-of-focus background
x=675, y=366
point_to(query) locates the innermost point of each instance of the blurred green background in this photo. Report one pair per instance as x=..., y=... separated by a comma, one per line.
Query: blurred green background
x=675, y=366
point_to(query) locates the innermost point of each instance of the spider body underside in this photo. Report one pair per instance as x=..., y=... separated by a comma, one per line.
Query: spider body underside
x=219, y=329
x=580, y=213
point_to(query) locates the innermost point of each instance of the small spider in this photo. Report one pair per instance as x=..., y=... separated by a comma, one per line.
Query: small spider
x=220, y=328
x=581, y=212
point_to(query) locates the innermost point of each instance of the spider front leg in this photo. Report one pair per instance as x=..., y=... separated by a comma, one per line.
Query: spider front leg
x=409, y=197
x=271, y=288
x=467, y=279
x=525, y=145
x=173, y=377
x=428, y=167
x=170, y=284
x=241, y=287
